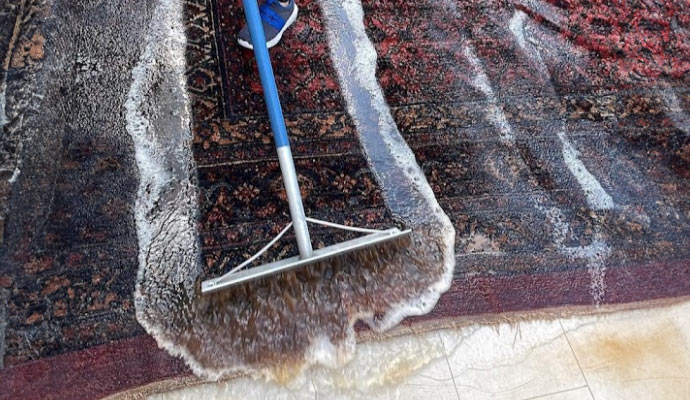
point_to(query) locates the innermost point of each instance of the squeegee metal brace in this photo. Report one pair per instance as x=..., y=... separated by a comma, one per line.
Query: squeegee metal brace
x=287, y=167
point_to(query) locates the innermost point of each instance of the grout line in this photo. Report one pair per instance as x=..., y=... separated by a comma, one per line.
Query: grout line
x=313, y=385
x=452, y=377
x=445, y=355
x=567, y=339
x=541, y=396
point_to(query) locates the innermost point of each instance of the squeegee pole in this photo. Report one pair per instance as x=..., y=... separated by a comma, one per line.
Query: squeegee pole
x=275, y=115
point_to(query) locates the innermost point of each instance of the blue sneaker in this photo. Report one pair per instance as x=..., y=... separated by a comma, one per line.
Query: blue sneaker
x=276, y=18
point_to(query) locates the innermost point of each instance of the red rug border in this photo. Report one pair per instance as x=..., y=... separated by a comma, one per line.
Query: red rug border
x=138, y=361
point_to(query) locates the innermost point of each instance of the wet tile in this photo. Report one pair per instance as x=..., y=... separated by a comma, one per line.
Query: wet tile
x=575, y=394
x=432, y=379
x=634, y=355
x=682, y=322
x=509, y=362
x=410, y=367
x=530, y=361
x=300, y=389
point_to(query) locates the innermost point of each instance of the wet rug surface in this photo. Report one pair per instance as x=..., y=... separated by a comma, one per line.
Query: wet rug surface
x=555, y=135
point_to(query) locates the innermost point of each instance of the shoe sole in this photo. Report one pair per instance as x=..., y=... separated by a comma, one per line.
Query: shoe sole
x=276, y=39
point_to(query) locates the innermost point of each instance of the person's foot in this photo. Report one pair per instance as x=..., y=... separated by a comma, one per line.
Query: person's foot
x=276, y=16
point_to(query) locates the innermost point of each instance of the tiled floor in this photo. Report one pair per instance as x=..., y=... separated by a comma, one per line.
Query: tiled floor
x=642, y=354
x=636, y=356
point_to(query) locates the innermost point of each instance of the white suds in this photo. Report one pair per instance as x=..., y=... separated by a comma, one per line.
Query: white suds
x=596, y=196
x=379, y=369
x=3, y=122
x=675, y=112
x=323, y=351
x=403, y=184
x=15, y=175
x=469, y=361
x=595, y=253
x=516, y=26
x=3, y=102
x=166, y=202
x=481, y=82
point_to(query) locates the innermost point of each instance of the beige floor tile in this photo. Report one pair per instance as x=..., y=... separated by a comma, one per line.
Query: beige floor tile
x=244, y=389
x=410, y=368
x=576, y=394
x=529, y=359
x=634, y=355
x=681, y=317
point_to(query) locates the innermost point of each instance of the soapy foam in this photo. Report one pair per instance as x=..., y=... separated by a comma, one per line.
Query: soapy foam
x=15, y=175
x=550, y=12
x=260, y=328
x=166, y=231
x=3, y=121
x=403, y=184
x=481, y=362
x=380, y=368
x=441, y=363
x=595, y=253
x=598, y=250
x=596, y=196
x=677, y=115
x=3, y=102
x=516, y=26
x=481, y=82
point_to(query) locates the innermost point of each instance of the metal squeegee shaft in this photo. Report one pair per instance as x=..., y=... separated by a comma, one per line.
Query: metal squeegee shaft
x=275, y=115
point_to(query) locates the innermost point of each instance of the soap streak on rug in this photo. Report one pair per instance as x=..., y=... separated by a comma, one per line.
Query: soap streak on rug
x=597, y=198
x=678, y=116
x=598, y=250
x=3, y=116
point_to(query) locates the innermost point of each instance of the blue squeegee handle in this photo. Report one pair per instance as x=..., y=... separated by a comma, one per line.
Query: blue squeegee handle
x=275, y=113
